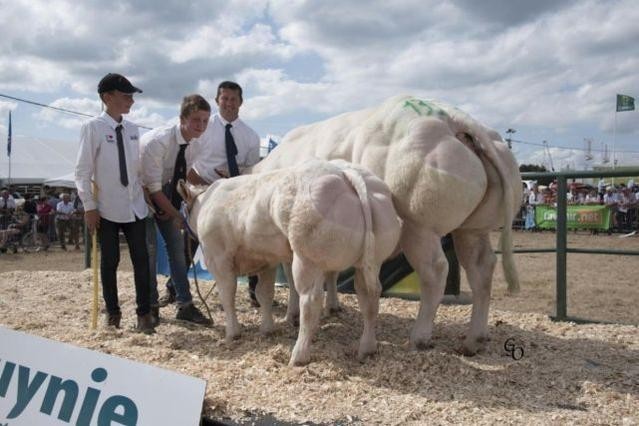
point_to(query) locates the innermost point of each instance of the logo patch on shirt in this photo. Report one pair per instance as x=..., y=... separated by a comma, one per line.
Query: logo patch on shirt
x=134, y=137
x=110, y=138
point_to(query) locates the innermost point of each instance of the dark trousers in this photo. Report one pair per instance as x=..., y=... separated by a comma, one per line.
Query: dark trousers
x=135, y=233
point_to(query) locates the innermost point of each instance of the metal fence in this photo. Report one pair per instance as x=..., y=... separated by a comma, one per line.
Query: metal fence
x=562, y=248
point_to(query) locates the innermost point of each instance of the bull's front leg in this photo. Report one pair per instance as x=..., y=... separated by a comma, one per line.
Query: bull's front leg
x=264, y=292
x=227, y=287
x=309, y=282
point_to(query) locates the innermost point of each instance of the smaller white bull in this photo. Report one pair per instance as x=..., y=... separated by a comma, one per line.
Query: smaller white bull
x=319, y=216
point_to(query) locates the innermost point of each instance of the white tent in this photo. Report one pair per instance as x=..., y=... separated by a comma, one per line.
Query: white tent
x=66, y=181
x=33, y=160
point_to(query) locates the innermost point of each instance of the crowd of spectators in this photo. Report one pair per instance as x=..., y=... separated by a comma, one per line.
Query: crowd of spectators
x=621, y=198
x=59, y=216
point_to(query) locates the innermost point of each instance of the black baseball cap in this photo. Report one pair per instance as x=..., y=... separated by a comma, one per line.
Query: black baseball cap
x=113, y=81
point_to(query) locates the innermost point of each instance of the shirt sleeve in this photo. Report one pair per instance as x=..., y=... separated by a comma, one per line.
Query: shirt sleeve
x=85, y=167
x=151, y=157
x=203, y=163
x=253, y=155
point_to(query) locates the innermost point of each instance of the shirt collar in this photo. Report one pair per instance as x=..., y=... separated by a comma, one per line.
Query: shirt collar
x=224, y=122
x=178, y=136
x=109, y=120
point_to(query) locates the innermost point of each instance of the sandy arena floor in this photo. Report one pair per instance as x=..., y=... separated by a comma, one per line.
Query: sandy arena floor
x=570, y=373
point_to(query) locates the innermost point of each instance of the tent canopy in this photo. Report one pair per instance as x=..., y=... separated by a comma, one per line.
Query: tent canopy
x=34, y=160
x=65, y=181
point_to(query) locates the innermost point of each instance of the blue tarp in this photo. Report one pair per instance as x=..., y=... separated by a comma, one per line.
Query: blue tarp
x=163, y=263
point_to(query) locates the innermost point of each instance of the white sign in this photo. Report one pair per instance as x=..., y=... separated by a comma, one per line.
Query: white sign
x=44, y=382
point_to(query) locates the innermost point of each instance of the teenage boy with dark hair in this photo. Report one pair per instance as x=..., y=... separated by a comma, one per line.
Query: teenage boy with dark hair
x=109, y=157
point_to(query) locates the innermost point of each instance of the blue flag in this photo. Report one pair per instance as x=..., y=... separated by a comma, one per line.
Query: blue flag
x=271, y=144
x=9, y=137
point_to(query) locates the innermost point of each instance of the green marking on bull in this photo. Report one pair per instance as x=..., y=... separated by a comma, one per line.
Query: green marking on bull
x=424, y=108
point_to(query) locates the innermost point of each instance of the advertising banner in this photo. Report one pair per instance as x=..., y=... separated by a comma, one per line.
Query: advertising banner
x=577, y=217
x=44, y=382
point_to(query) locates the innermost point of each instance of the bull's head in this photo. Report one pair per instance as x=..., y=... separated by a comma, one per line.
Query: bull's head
x=189, y=194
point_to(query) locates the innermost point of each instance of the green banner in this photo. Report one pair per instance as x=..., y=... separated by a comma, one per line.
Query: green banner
x=625, y=103
x=577, y=217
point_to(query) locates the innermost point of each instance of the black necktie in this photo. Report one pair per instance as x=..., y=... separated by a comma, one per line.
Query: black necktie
x=179, y=172
x=124, y=179
x=231, y=152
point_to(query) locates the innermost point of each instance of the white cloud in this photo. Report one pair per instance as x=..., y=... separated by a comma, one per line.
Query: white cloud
x=549, y=68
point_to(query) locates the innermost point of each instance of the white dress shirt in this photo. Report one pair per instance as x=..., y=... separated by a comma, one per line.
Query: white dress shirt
x=214, y=155
x=64, y=210
x=159, y=149
x=7, y=203
x=98, y=161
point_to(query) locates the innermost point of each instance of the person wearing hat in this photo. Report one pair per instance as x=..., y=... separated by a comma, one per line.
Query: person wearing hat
x=109, y=158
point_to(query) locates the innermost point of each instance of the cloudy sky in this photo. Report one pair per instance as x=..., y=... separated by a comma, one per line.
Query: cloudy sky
x=550, y=69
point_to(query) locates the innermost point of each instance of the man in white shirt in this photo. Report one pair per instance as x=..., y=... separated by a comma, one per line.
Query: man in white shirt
x=214, y=163
x=109, y=158
x=7, y=207
x=64, y=210
x=167, y=153
x=231, y=146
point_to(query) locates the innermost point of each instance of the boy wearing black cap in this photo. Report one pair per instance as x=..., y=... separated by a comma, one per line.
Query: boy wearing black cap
x=109, y=158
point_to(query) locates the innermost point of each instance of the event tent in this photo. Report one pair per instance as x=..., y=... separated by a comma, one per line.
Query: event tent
x=65, y=181
x=34, y=160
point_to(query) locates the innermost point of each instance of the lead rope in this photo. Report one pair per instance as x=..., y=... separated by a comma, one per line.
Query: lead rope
x=189, y=250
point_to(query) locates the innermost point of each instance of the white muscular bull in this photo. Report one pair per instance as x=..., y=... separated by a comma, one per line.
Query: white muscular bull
x=447, y=172
x=319, y=216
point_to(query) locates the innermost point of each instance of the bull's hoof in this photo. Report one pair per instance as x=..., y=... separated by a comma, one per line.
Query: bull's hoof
x=293, y=320
x=299, y=361
x=232, y=338
x=366, y=352
x=421, y=345
x=333, y=310
x=472, y=347
x=466, y=351
x=267, y=331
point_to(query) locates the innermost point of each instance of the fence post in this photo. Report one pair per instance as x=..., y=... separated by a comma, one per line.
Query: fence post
x=561, y=313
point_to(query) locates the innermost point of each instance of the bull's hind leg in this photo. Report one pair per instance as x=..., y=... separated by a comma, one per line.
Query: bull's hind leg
x=332, y=303
x=368, y=297
x=424, y=252
x=478, y=260
x=309, y=282
x=264, y=293
x=293, y=308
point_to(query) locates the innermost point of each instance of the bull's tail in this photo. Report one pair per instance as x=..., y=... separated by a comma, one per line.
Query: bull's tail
x=368, y=262
x=506, y=240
